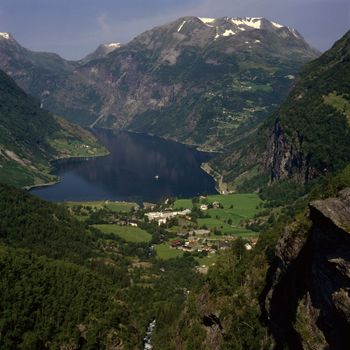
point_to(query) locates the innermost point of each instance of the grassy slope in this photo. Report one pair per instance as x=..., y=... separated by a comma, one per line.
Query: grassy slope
x=30, y=137
x=237, y=207
x=128, y=233
x=124, y=207
x=165, y=252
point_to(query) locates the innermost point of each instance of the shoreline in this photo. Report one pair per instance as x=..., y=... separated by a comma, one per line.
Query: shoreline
x=220, y=185
x=55, y=182
x=189, y=144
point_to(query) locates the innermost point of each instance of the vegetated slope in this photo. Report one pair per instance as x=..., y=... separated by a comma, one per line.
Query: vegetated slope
x=69, y=302
x=46, y=228
x=291, y=291
x=196, y=80
x=308, y=136
x=30, y=137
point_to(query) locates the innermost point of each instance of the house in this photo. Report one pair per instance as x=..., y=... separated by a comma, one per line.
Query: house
x=216, y=205
x=163, y=217
x=133, y=224
x=162, y=221
x=203, y=207
x=176, y=243
x=247, y=246
x=199, y=233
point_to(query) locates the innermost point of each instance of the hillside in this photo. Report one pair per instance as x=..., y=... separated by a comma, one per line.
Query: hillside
x=31, y=137
x=66, y=285
x=51, y=294
x=197, y=80
x=307, y=136
x=291, y=291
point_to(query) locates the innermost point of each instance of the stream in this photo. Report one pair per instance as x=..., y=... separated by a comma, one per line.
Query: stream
x=147, y=340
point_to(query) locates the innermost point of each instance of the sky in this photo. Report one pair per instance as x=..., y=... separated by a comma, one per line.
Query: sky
x=74, y=28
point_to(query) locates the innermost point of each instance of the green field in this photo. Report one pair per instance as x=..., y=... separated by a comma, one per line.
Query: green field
x=212, y=223
x=236, y=207
x=207, y=260
x=165, y=252
x=183, y=203
x=124, y=207
x=244, y=204
x=130, y=234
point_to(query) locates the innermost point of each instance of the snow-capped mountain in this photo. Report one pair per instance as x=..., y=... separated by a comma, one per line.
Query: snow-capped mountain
x=102, y=51
x=197, y=80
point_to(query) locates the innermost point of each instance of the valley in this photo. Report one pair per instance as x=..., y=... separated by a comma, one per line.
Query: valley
x=197, y=191
x=206, y=85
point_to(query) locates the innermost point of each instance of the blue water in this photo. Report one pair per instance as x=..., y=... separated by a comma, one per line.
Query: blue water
x=129, y=172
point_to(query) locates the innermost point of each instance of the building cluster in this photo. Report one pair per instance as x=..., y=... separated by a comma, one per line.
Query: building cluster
x=200, y=241
x=163, y=217
x=214, y=205
x=201, y=244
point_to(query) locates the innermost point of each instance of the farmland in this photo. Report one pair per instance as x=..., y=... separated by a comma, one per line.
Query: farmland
x=128, y=233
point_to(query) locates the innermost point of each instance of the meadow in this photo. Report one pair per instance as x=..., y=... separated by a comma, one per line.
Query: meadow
x=128, y=233
x=235, y=209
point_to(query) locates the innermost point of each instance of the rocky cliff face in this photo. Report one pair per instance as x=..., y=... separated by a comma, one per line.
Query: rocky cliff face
x=286, y=159
x=196, y=80
x=307, y=299
x=307, y=136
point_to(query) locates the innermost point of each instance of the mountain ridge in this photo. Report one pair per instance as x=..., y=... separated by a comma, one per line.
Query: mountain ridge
x=179, y=80
x=308, y=134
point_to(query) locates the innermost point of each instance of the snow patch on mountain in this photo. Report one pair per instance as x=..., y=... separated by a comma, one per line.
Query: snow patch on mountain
x=228, y=32
x=253, y=22
x=183, y=23
x=294, y=32
x=114, y=45
x=5, y=35
x=277, y=25
x=207, y=21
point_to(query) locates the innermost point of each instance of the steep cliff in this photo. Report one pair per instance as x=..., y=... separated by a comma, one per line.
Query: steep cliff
x=306, y=302
x=307, y=136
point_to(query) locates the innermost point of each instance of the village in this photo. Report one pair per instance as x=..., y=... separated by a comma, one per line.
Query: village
x=199, y=240
x=200, y=227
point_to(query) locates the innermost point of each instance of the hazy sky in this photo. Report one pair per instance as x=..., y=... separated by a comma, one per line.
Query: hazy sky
x=74, y=28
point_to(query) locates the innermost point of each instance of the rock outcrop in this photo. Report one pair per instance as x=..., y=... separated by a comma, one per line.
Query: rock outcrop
x=306, y=303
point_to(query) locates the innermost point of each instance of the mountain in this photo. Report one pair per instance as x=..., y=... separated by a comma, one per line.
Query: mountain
x=31, y=137
x=35, y=72
x=102, y=51
x=196, y=80
x=309, y=134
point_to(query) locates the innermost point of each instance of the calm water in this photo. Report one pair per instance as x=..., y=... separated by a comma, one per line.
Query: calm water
x=128, y=172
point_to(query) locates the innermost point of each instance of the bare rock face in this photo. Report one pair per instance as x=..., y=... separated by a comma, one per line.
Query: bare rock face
x=196, y=80
x=306, y=302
